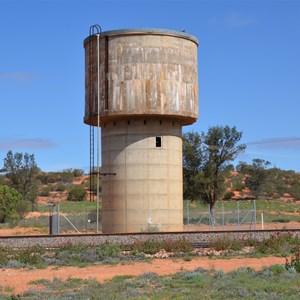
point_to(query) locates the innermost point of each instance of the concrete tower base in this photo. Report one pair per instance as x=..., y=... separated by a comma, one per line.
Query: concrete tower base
x=146, y=192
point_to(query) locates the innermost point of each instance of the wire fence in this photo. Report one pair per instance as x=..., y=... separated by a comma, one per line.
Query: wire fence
x=81, y=217
x=225, y=216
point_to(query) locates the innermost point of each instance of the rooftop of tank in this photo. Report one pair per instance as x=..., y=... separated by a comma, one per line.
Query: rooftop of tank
x=151, y=31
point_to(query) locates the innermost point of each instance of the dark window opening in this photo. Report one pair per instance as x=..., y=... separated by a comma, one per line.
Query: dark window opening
x=160, y=122
x=145, y=122
x=128, y=122
x=158, y=142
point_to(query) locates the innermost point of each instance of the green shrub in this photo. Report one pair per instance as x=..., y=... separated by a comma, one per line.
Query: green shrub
x=228, y=195
x=60, y=187
x=3, y=255
x=53, y=177
x=294, y=262
x=148, y=247
x=226, y=242
x=178, y=246
x=10, y=200
x=77, y=193
x=109, y=249
x=280, y=220
x=279, y=244
x=30, y=256
x=45, y=192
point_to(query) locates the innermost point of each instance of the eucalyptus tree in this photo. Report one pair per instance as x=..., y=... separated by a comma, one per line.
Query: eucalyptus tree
x=206, y=158
x=22, y=171
x=256, y=175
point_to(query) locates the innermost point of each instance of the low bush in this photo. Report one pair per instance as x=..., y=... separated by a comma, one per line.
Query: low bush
x=280, y=220
x=228, y=195
x=45, y=191
x=77, y=193
x=60, y=187
x=148, y=247
x=178, y=246
x=109, y=249
x=280, y=244
x=227, y=243
x=294, y=262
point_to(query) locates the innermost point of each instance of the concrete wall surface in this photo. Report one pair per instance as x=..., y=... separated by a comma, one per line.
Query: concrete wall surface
x=141, y=75
x=146, y=193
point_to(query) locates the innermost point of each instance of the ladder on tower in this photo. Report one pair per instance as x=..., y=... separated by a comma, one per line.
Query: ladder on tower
x=94, y=30
x=92, y=163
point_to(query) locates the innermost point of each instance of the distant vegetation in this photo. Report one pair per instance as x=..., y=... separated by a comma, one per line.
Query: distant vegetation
x=22, y=182
x=67, y=175
x=208, y=174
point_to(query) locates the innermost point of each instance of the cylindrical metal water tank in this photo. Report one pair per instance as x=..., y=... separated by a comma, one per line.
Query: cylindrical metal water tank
x=144, y=84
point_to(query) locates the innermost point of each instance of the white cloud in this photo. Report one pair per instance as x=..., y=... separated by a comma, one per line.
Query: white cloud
x=18, y=76
x=236, y=20
x=291, y=143
x=7, y=144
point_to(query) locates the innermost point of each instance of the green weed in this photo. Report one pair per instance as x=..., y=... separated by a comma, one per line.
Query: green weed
x=294, y=262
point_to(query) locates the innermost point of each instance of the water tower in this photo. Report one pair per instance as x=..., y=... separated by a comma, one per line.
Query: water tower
x=141, y=87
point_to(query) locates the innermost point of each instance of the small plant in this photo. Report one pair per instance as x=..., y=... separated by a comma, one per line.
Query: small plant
x=148, y=247
x=45, y=192
x=228, y=195
x=227, y=243
x=280, y=220
x=277, y=269
x=77, y=193
x=178, y=246
x=278, y=243
x=109, y=250
x=60, y=187
x=294, y=262
x=31, y=256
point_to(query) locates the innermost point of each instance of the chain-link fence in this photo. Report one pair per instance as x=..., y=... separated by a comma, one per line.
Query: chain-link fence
x=236, y=215
x=59, y=219
x=80, y=217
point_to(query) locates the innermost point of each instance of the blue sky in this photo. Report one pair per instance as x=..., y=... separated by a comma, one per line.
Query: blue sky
x=249, y=72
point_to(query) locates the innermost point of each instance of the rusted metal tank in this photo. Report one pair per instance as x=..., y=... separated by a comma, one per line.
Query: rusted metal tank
x=143, y=85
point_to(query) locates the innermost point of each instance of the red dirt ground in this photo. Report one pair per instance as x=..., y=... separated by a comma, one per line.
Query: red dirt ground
x=17, y=280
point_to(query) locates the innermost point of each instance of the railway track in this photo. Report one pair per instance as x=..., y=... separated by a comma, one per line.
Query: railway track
x=198, y=239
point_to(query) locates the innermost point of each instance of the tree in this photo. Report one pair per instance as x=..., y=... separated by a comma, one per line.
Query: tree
x=77, y=193
x=9, y=200
x=256, y=175
x=216, y=150
x=22, y=171
x=192, y=160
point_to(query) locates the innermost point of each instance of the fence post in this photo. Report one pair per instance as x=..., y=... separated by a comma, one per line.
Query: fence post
x=238, y=214
x=254, y=211
x=54, y=220
x=223, y=216
x=86, y=220
x=58, y=219
x=188, y=212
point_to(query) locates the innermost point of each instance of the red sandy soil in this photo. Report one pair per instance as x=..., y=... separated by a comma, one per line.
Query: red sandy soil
x=17, y=231
x=18, y=280
x=273, y=226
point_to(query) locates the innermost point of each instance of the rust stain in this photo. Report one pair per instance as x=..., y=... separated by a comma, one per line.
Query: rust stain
x=146, y=75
